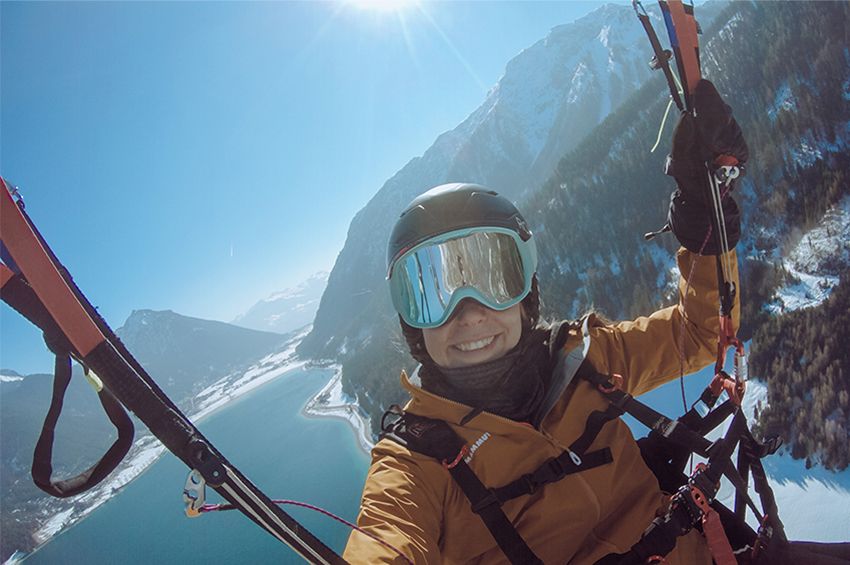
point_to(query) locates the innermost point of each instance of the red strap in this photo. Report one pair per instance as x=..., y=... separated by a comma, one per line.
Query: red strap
x=726, y=161
x=6, y=275
x=460, y=455
x=712, y=528
x=616, y=384
x=715, y=537
x=686, y=32
x=30, y=255
x=722, y=381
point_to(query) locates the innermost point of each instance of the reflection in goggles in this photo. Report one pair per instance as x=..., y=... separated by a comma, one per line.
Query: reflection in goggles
x=488, y=262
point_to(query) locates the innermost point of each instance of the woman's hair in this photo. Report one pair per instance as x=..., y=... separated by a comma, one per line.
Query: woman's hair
x=530, y=319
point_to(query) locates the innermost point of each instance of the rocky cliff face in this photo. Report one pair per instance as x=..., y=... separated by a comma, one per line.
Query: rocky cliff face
x=551, y=96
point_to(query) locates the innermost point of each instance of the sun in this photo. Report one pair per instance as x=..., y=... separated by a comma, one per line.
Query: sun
x=382, y=5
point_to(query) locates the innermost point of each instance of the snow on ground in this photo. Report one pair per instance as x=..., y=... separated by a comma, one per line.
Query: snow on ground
x=9, y=378
x=53, y=525
x=784, y=100
x=814, y=504
x=147, y=449
x=332, y=402
x=815, y=262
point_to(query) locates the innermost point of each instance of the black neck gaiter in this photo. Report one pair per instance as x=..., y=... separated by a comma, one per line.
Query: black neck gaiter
x=511, y=386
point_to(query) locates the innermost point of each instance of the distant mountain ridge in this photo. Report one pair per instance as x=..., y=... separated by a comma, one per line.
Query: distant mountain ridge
x=550, y=97
x=287, y=310
x=185, y=356
x=607, y=190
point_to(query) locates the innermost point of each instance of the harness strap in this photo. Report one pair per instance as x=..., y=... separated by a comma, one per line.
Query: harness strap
x=693, y=502
x=42, y=462
x=19, y=295
x=754, y=452
x=552, y=471
x=486, y=504
x=670, y=429
x=435, y=438
x=593, y=426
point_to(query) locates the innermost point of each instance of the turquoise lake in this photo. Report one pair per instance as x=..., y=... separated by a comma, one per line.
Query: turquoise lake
x=264, y=434
x=287, y=455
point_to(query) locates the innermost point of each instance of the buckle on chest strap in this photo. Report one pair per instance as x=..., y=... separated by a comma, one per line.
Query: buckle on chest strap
x=484, y=504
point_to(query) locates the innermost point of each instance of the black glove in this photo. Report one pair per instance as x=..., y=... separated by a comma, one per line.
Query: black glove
x=699, y=140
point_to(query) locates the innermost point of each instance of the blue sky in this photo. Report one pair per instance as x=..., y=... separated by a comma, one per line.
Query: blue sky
x=199, y=156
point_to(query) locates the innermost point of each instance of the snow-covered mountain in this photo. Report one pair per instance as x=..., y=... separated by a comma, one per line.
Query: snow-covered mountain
x=287, y=310
x=605, y=189
x=200, y=364
x=550, y=97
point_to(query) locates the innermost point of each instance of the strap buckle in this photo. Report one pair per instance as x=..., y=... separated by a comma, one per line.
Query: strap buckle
x=486, y=503
x=615, y=382
x=194, y=494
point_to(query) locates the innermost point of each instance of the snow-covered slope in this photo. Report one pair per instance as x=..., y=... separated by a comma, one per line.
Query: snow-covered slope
x=813, y=503
x=287, y=310
x=551, y=96
x=816, y=261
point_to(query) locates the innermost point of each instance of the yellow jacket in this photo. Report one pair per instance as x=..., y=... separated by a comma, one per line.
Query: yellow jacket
x=411, y=502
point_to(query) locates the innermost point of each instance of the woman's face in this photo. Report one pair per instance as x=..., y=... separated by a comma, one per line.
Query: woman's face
x=474, y=334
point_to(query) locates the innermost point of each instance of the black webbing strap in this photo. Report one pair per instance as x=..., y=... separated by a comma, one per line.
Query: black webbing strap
x=18, y=294
x=486, y=504
x=754, y=452
x=670, y=429
x=42, y=462
x=684, y=512
x=553, y=470
x=593, y=426
x=435, y=438
x=660, y=538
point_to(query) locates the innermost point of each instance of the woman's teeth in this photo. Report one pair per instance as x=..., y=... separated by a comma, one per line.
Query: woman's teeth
x=476, y=345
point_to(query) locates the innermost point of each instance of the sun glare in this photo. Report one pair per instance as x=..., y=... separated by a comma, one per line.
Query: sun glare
x=382, y=5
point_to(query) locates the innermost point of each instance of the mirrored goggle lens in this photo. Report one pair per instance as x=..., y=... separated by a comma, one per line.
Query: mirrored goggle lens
x=485, y=265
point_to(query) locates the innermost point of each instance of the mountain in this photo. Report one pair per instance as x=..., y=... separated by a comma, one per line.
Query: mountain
x=790, y=91
x=184, y=355
x=784, y=68
x=196, y=362
x=550, y=97
x=288, y=310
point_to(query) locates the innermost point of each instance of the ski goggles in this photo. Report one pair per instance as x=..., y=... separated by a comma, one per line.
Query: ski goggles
x=491, y=265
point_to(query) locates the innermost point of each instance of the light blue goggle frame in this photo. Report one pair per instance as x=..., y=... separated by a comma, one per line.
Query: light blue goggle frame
x=499, y=263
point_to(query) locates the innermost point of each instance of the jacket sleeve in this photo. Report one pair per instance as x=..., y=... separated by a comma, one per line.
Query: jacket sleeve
x=681, y=339
x=402, y=506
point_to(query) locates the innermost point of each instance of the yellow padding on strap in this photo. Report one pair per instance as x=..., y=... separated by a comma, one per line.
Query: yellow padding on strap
x=94, y=380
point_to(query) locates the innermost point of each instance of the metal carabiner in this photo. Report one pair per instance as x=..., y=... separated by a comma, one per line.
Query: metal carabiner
x=725, y=174
x=194, y=493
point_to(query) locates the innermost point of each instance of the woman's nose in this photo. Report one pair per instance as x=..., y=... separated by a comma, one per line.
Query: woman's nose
x=470, y=312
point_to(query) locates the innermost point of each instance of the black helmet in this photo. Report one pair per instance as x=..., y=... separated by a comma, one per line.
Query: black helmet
x=451, y=207
x=436, y=218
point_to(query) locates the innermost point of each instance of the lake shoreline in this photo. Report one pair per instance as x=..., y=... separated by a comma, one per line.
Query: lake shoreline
x=332, y=402
x=147, y=449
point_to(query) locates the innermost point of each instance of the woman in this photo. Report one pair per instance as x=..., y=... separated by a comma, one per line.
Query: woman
x=462, y=275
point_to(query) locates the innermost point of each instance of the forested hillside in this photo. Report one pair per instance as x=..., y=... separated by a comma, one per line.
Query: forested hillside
x=784, y=67
x=805, y=358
